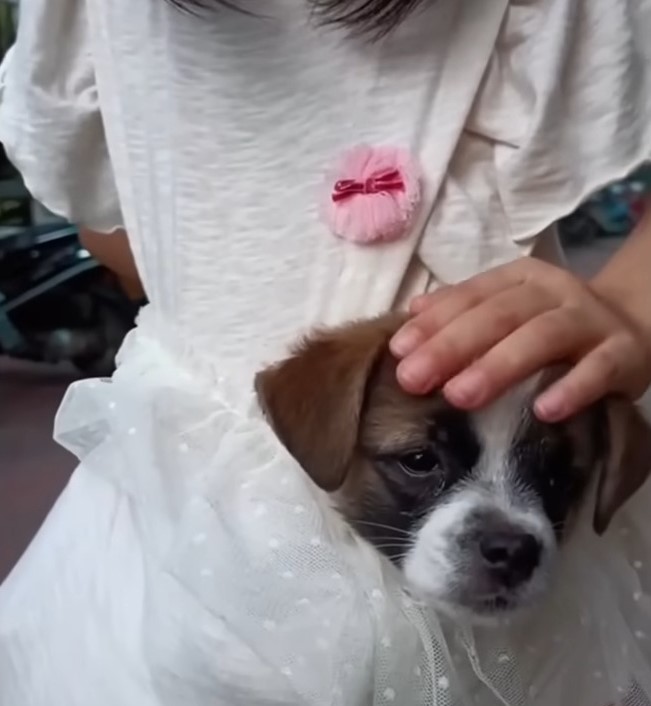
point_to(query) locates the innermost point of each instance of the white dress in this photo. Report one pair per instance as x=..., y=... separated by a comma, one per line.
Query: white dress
x=189, y=560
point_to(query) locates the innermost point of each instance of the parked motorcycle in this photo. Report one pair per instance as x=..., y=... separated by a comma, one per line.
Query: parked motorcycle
x=57, y=303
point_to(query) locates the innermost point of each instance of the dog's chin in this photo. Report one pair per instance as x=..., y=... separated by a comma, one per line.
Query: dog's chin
x=488, y=610
x=494, y=611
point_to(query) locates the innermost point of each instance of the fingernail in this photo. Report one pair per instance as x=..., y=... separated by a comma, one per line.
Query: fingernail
x=416, y=374
x=550, y=406
x=466, y=389
x=406, y=341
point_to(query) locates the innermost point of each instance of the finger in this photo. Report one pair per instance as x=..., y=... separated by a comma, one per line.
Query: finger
x=470, y=336
x=444, y=305
x=602, y=371
x=418, y=304
x=485, y=283
x=508, y=275
x=559, y=334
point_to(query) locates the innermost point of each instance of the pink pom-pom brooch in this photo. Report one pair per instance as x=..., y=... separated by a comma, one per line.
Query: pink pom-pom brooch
x=374, y=194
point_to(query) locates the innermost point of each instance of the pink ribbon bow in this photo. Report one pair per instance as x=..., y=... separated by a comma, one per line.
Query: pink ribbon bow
x=381, y=182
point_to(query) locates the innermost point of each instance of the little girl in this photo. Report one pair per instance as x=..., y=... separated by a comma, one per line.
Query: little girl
x=281, y=165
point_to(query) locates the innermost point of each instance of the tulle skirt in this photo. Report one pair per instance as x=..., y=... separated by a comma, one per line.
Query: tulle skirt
x=191, y=561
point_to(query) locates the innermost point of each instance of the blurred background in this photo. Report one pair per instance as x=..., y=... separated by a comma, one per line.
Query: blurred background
x=63, y=316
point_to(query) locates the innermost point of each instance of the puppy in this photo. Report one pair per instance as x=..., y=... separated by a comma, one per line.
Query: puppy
x=472, y=507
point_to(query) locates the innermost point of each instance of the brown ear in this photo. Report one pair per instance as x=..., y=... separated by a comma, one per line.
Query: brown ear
x=313, y=400
x=628, y=461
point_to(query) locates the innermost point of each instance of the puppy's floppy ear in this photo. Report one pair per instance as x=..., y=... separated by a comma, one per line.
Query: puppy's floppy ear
x=313, y=400
x=628, y=459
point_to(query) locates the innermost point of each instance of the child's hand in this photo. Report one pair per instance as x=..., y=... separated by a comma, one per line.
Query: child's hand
x=479, y=337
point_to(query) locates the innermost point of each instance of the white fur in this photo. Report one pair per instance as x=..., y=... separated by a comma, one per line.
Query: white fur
x=433, y=566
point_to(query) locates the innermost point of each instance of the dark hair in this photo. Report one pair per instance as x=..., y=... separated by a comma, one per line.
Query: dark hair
x=372, y=18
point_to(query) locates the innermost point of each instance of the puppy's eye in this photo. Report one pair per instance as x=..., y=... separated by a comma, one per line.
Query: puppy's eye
x=419, y=463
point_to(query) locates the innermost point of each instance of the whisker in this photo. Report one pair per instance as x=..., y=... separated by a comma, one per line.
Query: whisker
x=389, y=546
x=379, y=525
x=389, y=538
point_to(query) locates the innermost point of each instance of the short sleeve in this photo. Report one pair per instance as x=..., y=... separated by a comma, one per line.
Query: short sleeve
x=50, y=121
x=566, y=104
x=564, y=109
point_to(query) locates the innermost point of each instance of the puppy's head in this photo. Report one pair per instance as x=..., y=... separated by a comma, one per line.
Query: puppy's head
x=471, y=506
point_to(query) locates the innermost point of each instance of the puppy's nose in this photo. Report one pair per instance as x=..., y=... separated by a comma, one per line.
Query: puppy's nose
x=511, y=556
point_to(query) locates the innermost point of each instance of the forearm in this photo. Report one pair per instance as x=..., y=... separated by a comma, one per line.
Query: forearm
x=112, y=250
x=626, y=279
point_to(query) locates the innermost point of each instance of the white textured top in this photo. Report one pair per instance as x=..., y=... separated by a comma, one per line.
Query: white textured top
x=190, y=560
x=215, y=133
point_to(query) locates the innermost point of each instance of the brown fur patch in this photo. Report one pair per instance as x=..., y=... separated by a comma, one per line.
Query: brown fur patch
x=314, y=399
x=391, y=421
x=612, y=438
x=627, y=465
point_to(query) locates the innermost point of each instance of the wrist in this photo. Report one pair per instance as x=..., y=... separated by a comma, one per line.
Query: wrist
x=624, y=282
x=627, y=299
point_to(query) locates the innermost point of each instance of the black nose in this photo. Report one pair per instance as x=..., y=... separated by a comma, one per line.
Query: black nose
x=510, y=556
